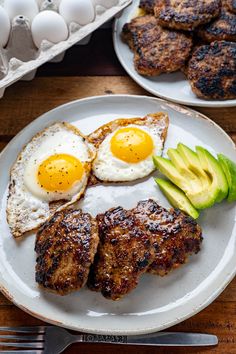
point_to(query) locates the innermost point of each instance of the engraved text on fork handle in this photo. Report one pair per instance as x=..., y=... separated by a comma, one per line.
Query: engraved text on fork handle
x=96, y=338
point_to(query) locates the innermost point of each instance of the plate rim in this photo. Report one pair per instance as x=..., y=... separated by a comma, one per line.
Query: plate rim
x=151, y=329
x=139, y=81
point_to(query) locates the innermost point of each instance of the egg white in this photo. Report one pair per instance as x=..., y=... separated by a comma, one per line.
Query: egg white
x=62, y=142
x=107, y=167
x=28, y=206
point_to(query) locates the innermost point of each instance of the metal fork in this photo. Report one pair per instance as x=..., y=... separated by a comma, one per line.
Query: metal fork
x=54, y=340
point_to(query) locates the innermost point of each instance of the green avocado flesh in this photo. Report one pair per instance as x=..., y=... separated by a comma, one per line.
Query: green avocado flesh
x=229, y=168
x=169, y=170
x=203, y=178
x=193, y=164
x=201, y=196
x=183, y=169
x=213, y=168
x=177, y=198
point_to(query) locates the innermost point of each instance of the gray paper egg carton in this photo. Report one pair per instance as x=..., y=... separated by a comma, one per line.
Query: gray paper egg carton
x=20, y=59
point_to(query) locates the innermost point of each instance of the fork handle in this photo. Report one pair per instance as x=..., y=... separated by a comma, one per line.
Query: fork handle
x=156, y=339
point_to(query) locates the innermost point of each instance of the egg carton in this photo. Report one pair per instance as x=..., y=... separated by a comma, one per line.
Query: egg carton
x=20, y=59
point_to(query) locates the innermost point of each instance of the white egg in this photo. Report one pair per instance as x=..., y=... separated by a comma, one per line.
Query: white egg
x=29, y=202
x=78, y=11
x=27, y=8
x=49, y=25
x=106, y=3
x=5, y=27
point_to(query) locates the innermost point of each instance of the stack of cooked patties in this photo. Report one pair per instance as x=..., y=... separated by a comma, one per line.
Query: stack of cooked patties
x=197, y=37
x=111, y=252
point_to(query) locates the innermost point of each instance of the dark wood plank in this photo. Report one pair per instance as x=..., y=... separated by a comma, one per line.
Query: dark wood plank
x=96, y=58
x=2, y=144
x=225, y=117
x=218, y=319
x=233, y=136
x=25, y=101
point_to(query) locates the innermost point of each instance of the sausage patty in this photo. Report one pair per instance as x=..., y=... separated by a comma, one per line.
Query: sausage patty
x=148, y=5
x=222, y=28
x=124, y=253
x=186, y=14
x=212, y=71
x=230, y=4
x=65, y=247
x=174, y=235
x=156, y=50
x=146, y=238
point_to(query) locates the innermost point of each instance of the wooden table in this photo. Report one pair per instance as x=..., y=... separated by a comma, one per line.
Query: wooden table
x=94, y=70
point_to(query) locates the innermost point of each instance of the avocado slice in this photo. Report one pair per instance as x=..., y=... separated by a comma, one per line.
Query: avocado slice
x=170, y=171
x=193, y=164
x=179, y=163
x=204, y=198
x=177, y=198
x=229, y=168
x=200, y=197
x=213, y=168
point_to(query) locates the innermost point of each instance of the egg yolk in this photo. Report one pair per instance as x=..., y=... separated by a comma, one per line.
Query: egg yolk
x=131, y=145
x=59, y=172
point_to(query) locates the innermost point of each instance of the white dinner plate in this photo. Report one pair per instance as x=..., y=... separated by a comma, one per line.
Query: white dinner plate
x=174, y=87
x=157, y=302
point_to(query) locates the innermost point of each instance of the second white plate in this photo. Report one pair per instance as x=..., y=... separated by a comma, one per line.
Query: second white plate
x=174, y=87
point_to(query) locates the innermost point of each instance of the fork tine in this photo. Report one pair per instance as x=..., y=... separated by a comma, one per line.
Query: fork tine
x=33, y=345
x=33, y=329
x=39, y=337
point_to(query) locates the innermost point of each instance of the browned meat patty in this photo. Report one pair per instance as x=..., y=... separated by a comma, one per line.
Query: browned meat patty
x=65, y=247
x=212, y=71
x=148, y=5
x=124, y=253
x=230, y=5
x=130, y=31
x=146, y=238
x=173, y=234
x=156, y=50
x=222, y=28
x=186, y=14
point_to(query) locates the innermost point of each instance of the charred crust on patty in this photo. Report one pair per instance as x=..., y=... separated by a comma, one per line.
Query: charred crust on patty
x=156, y=50
x=174, y=235
x=148, y=5
x=230, y=5
x=186, y=14
x=124, y=253
x=65, y=247
x=222, y=28
x=212, y=71
x=145, y=238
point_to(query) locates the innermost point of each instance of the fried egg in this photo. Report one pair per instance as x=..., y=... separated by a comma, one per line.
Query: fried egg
x=125, y=147
x=49, y=174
